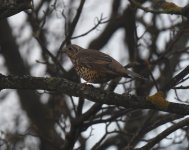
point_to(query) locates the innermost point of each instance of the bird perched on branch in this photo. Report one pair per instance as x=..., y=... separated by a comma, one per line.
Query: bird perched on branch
x=95, y=66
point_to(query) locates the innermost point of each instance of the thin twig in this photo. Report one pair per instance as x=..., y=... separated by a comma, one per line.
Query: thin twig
x=100, y=21
x=54, y=59
x=73, y=25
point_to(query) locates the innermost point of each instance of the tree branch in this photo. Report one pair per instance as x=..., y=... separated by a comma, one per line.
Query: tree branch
x=12, y=7
x=164, y=134
x=146, y=9
x=61, y=85
x=73, y=25
x=175, y=80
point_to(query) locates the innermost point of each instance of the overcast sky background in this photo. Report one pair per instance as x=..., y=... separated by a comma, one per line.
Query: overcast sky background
x=92, y=9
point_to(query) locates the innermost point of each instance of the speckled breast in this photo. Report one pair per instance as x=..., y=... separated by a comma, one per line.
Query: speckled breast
x=92, y=76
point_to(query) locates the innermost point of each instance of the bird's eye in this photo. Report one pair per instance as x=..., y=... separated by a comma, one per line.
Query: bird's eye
x=70, y=49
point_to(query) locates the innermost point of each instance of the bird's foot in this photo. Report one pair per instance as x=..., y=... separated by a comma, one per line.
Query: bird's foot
x=85, y=85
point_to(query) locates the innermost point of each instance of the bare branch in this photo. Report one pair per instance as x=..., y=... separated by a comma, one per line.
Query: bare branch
x=175, y=80
x=61, y=85
x=73, y=25
x=165, y=133
x=12, y=7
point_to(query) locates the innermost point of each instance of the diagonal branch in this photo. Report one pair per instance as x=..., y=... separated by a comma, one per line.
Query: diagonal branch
x=164, y=134
x=73, y=25
x=146, y=9
x=175, y=80
x=10, y=8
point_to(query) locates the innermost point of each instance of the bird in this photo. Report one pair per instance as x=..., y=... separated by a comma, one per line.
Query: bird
x=95, y=66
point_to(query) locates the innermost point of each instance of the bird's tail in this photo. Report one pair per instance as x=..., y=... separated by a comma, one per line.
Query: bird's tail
x=135, y=75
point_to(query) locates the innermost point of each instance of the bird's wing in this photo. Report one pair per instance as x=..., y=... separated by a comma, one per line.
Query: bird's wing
x=96, y=60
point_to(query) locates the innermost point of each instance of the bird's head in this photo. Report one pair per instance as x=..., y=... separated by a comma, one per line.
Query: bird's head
x=72, y=50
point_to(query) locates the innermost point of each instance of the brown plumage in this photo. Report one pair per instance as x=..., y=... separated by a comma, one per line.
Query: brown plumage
x=95, y=66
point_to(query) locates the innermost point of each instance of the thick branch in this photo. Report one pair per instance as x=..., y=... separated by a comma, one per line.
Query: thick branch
x=61, y=85
x=12, y=7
